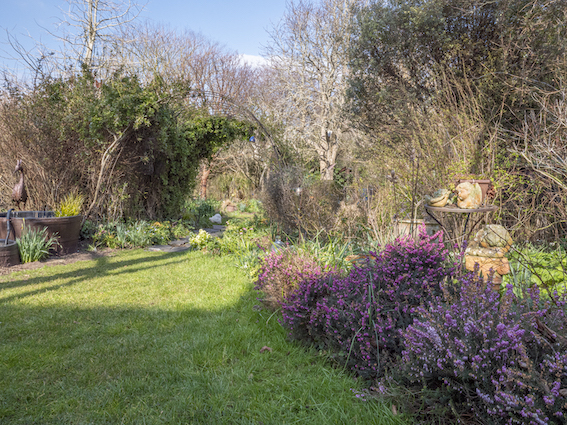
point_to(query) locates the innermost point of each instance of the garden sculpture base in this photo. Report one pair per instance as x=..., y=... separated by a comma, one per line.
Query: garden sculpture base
x=487, y=250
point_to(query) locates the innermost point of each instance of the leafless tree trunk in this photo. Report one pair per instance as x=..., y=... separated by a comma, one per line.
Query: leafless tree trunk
x=309, y=56
x=89, y=22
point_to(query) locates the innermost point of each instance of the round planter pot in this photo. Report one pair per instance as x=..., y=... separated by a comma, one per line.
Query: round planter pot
x=407, y=227
x=67, y=229
x=9, y=254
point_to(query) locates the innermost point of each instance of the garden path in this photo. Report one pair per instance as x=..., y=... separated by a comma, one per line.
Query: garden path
x=183, y=244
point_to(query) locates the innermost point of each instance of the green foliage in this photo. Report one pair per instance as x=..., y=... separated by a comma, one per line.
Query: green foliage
x=330, y=252
x=404, y=45
x=70, y=205
x=254, y=206
x=545, y=267
x=201, y=240
x=199, y=211
x=34, y=244
x=140, y=143
x=246, y=241
x=137, y=234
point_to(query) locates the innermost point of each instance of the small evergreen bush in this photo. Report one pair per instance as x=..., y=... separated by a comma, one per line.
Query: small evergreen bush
x=502, y=359
x=201, y=240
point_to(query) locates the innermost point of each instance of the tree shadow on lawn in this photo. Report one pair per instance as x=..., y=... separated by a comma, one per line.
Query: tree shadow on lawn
x=164, y=364
x=104, y=266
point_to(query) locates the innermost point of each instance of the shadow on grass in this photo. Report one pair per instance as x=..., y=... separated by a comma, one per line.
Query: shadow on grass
x=102, y=267
x=62, y=362
x=125, y=365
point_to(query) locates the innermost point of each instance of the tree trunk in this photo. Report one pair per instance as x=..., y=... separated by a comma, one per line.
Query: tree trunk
x=90, y=31
x=205, y=172
x=327, y=152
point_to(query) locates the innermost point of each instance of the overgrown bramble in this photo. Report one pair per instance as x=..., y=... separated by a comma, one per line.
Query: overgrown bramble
x=504, y=359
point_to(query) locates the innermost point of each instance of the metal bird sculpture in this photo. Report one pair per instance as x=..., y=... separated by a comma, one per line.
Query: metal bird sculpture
x=19, y=193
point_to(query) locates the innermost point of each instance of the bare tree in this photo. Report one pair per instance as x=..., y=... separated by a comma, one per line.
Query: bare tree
x=89, y=23
x=309, y=55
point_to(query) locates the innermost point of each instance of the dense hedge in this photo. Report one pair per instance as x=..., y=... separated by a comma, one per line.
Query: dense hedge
x=133, y=150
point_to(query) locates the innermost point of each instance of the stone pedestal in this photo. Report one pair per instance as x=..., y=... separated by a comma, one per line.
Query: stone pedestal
x=500, y=266
x=487, y=250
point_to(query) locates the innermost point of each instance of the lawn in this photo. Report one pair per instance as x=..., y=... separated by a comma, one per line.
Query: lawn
x=149, y=338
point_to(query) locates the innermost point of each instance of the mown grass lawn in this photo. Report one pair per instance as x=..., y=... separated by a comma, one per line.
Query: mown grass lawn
x=150, y=338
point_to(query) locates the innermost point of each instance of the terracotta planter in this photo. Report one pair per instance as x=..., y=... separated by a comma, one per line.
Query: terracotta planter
x=9, y=254
x=68, y=229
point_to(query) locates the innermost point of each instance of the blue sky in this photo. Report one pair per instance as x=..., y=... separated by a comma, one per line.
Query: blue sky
x=238, y=24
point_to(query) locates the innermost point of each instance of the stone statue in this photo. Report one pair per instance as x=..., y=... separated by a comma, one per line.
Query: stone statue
x=487, y=249
x=439, y=199
x=491, y=241
x=469, y=195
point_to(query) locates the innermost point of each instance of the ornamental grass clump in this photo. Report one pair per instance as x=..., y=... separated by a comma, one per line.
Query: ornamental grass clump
x=501, y=359
x=359, y=317
x=71, y=205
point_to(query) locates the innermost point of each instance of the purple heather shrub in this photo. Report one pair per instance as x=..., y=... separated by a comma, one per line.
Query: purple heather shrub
x=360, y=316
x=503, y=359
x=282, y=271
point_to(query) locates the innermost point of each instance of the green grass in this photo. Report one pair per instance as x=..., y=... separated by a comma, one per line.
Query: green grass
x=155, y=338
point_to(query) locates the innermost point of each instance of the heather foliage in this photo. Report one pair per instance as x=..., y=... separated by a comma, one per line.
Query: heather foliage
x=282, y=271
x=501, y=359
x=360, y=316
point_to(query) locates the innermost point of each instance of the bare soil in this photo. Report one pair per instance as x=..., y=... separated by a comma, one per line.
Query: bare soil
x=82, y=254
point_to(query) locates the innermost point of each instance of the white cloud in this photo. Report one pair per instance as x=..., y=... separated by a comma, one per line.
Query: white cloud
x=253, y=60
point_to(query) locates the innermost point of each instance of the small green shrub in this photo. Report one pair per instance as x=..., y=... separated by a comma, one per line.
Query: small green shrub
x=254, y=206
x=545, y=267
x=201, y=240
x=34, y=244
x=247, y=241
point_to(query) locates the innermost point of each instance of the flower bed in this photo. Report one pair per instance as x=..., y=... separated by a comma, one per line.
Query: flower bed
x=407, y=316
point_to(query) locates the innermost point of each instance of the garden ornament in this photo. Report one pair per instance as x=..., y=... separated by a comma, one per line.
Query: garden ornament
x=19, y=193
x=487, y=249
x=216, y=219
x=439, y=199
x=493, y=241
x=469, y=195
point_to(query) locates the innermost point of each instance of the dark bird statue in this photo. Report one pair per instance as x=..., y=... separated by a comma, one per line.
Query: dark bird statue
x=19, y=193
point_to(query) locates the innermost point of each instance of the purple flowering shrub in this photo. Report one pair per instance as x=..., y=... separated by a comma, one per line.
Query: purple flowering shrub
x=502, y=359
x=281, y=273
x=360, y=316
